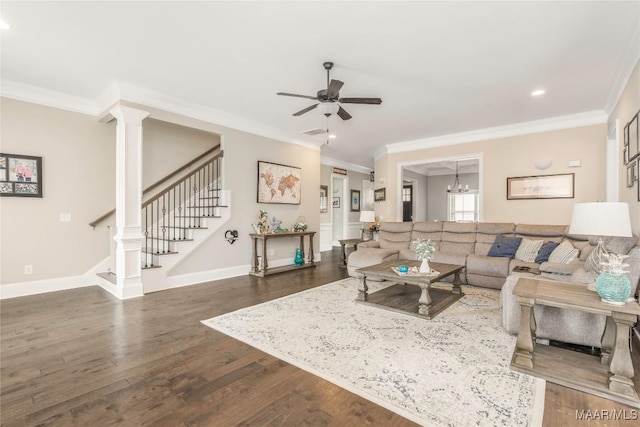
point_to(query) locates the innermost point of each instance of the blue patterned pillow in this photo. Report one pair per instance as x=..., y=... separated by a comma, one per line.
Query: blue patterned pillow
x=505, y=246
x=545, y=251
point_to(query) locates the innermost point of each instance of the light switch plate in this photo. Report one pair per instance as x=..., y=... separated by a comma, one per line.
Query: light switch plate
x=65, y=217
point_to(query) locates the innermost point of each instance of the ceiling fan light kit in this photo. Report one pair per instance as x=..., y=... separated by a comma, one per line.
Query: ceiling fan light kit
x=330, y=98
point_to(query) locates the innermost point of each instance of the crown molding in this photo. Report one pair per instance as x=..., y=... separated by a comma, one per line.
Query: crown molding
x=117, y=91
x=629, y=61
x=182, y=107
x=526, y=128
x=49, y=98
x=329, y=161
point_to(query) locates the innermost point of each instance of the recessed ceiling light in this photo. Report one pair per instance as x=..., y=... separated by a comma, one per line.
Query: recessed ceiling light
x=4, y=25
x=537, y=92
x=332, y=136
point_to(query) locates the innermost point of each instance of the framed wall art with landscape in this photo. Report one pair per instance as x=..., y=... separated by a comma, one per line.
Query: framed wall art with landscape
x=559, y=186
x=278, y=183
x=380, y=194
x=20, y=176
x=631, y=140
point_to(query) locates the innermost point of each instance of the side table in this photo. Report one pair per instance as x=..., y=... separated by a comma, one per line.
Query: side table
x=611, y=376
x=344, y=242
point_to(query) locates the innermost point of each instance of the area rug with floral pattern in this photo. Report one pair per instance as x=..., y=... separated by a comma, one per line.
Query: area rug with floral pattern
x=452, y=370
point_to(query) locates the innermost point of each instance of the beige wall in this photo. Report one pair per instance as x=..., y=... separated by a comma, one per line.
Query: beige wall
x=628, y=105
x=79, y=166
x=515, y=156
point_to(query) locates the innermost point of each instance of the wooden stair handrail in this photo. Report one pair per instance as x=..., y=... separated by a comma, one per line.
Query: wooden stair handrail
x=161, y=181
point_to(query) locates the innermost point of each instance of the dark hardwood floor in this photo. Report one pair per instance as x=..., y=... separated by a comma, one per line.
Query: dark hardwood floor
x=84, y=358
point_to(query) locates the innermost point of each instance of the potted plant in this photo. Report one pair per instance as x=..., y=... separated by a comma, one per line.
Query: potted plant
x=424, y=252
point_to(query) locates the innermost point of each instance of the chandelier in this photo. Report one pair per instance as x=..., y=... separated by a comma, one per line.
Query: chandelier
x=457, y=187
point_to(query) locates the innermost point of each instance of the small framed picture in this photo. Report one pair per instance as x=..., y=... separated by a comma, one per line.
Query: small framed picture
x=20, y=176
x=633, y=146
x=324, y=190
x=355, y=200
x=380, y=194
x=336, y=202
x=632, y=173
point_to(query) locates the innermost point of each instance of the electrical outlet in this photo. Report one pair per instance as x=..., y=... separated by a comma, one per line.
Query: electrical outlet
x=28, y=269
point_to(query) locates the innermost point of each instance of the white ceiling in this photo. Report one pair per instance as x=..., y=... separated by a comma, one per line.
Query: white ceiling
x=441, y=68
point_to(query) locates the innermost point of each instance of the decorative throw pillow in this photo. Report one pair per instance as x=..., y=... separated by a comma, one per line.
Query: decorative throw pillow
x=528, y=250
x=504, y=246
x=565, y=253
x=545, y=251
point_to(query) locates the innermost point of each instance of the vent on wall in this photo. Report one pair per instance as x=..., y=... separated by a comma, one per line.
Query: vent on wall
x=315, y=131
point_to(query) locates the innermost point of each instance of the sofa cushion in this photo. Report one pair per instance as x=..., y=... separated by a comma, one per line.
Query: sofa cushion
x=564, y=252
x=370, y=256
x=395, y=235
x=457, y=247
x=495, y=228
x=504, y=246
x=488, y=266
x=528, y=250
x=553, y=233
x=562, y=268
x=545, y=251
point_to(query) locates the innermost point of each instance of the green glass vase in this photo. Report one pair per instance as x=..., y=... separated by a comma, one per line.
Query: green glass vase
x=299, y=259
x=613, y=288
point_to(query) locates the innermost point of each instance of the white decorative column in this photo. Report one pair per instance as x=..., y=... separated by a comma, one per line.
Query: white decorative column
x=128, y=237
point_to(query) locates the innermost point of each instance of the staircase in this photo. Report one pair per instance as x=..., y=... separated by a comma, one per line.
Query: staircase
x=179, y=219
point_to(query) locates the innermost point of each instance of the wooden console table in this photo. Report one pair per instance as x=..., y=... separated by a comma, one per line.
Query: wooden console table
x=265, y=270
x=610, y=376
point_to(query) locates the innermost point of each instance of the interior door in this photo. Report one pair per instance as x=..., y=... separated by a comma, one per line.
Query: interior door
x=407, y=203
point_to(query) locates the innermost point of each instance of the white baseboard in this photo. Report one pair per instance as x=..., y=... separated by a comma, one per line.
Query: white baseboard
x=22, y=289
x=14, y=290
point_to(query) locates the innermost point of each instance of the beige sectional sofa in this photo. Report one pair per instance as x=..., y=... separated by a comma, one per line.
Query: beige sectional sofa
x=468, y=244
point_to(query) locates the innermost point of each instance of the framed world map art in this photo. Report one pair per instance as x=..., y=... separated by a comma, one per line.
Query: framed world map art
x=278, y=183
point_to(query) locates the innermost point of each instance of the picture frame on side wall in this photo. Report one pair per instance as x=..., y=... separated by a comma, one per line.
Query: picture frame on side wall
x=633, y=146
x=380, y=194
x=355, y=200
x=336, y=202
x=632, y=172
x=20, y=176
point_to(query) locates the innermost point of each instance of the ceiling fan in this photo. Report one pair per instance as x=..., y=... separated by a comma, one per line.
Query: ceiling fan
x=331, y=95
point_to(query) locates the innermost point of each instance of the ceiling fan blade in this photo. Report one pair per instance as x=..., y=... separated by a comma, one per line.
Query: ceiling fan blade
x=301, y=112
x=334, y=88
x=360, y=101
x=296, y=95
x=343, y=114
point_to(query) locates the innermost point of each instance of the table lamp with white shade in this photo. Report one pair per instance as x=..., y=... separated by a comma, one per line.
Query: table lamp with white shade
x=604, y=219
x=366, y=217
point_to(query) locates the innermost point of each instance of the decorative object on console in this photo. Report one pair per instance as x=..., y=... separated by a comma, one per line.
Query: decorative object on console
x=424, y=252
x=603, y=219
x=299, y=258
x=262, y=226
x=612, y=285
x=367, y=217
x=456, y=184
x=300, y=225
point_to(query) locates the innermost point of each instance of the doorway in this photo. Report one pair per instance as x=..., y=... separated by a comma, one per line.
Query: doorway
x=407, y=202
x=339, y=206
x=433, y=181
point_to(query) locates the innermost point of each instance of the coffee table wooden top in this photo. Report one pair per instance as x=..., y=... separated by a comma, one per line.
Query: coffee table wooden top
x=384, y=271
